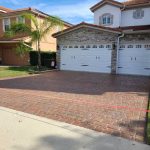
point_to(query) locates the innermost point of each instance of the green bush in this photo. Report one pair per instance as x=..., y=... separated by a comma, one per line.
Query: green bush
x=46, y=58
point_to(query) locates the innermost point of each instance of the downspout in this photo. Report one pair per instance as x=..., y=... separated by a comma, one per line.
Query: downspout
x=118, y=47
x=118, y=40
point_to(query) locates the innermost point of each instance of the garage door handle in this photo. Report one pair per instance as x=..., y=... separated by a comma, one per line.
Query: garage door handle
x=63, y=64
x=147, y=68
x=120, y=67
x=85, y=49
x=84, y=65
x=108, y=66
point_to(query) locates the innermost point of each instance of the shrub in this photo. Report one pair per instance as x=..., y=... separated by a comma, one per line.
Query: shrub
x=46, y=58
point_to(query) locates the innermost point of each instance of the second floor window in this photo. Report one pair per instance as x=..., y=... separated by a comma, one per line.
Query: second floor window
x=138, y=14
x=106, y=19
x=6, y=24
x=20, y=19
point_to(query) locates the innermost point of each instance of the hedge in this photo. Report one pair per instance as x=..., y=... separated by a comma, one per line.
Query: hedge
x=46, y=58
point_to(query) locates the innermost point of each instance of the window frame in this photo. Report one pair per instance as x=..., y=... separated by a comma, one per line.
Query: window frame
x=4, y=29
x=17, y=19
x=139, y=12
x=106, y=19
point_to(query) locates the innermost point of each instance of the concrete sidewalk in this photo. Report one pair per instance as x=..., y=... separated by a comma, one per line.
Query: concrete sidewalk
x=21, y=131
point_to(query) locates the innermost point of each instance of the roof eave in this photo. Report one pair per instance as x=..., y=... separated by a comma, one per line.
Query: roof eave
x=55, y=35
x=100, y=4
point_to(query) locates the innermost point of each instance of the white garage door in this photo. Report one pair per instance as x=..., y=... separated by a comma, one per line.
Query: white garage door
x=92, y=58
x=134, y=59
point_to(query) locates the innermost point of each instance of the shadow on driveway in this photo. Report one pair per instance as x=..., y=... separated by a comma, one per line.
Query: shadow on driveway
x=79, y=83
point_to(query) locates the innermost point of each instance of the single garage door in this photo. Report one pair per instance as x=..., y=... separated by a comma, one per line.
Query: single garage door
x=134, y=59
x=91, y=58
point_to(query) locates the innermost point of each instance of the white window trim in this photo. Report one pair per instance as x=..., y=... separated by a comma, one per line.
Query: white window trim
x=18, y=19
x=4, y=24
x=106, y=15
x=137, y=11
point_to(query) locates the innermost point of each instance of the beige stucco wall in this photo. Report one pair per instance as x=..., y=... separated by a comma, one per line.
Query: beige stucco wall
x=48, y=43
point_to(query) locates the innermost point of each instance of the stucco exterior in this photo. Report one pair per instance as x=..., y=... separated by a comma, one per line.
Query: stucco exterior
x=128, y=20
x=113, y=10
x=7, y=51
x=121, y=16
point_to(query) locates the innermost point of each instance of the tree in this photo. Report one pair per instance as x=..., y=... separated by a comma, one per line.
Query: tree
x=36, y=32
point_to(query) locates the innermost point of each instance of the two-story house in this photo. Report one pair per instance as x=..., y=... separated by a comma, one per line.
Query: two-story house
x=117, y=42
x=8, y=54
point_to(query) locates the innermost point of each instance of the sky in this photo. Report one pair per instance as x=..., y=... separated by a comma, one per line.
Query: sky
x=72, y=11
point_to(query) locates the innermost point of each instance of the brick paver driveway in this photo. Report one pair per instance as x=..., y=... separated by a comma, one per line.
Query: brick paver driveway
x=106, y=103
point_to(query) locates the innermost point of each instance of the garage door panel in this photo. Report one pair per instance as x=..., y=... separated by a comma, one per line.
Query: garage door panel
x=135, y=72
x=135, y=60
x=86, y=59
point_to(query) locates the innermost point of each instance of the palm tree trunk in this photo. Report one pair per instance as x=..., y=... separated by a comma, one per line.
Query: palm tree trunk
x=39, y=55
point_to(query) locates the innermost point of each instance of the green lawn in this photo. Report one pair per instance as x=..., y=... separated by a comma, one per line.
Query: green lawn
x=13, y=71
x=148, y=127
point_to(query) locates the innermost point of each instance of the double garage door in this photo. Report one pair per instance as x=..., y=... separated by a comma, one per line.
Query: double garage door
x=92, y=58
x=133, y=59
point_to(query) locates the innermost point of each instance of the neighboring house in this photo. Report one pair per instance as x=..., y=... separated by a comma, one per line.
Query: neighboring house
x=118, y=42
x=8, y=54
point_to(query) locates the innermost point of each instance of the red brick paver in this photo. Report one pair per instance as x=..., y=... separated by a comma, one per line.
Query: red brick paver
x=105, y=103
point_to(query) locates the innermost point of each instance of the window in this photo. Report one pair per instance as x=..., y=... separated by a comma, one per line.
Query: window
x=6, y=24
x=138, y=46
x=82, y=46
x=75, y=46
x=122, y=46
x=70, y=46
x=101, y=46
x=130, y=46
x=147, y=46
x=106, y=19
x=20, y=19
x=88, y=46
x=94, y=46
x=108, y=46
x=138, y=14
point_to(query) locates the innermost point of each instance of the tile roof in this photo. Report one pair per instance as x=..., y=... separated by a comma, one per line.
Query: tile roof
x=135, y=2
x=135, y=28
x=126, y=4
x=5, y=9
x=35, y=11
x=102, y=2
x=83, y=24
